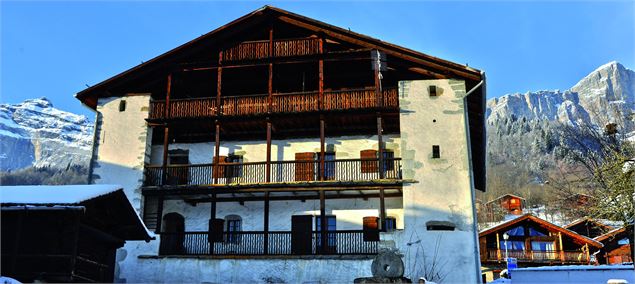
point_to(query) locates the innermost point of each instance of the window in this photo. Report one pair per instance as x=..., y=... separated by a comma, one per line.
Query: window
x=331, y=237
x=517, y=231
x=172, y=235
x=436, y=152
x=369, y=161
x=122, y=105
x=234, y=224
x=329, y=165
x=535, y=233
x=391, y=224
x=389, y=157
x=178, y=175
x=236, y=167
x=433, y=91
x=512, y=245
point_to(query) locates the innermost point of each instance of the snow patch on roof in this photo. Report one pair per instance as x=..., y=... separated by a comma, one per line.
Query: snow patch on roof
x=54, y=194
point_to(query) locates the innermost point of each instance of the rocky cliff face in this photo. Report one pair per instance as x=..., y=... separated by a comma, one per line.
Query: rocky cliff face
x=34, y=133
x=522, y=127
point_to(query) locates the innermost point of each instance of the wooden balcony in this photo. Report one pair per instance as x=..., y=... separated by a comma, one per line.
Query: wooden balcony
x=554, y=256
x=351, y=242
x=299, y=102
x=255, y=50
x=348, y=170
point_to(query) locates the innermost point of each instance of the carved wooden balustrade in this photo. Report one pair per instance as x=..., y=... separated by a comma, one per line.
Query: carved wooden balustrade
x=538, y=256
x=341, y=242
x=254, y=50
x=298, y=102
x=281, y=172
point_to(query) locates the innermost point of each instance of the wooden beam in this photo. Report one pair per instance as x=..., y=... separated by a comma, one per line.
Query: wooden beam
x=322, y=141
x=164, y=163
x=219, y=77
x=323, y=222
x=266, y=224
x=382, y=209
x=292, y=198
x=268, y=167
x=447, y=69
x=380, y=147
x=159, y=215
x=216, y=153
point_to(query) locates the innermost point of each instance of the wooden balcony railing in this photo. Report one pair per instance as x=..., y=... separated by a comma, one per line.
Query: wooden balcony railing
x=280, y=103
x=539, y=256
x=350, y=242
x=253, y=50
x=281, y=172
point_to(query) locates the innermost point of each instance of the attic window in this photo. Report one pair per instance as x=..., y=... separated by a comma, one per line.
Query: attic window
x=122, y=105
x=436, y=152
x=433, y=91
x=440, y=226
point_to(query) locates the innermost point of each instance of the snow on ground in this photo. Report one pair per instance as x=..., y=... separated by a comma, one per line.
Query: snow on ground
x=53, y=194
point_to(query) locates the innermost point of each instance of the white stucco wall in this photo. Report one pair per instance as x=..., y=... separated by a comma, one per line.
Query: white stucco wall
x=121, y=144
x=443, y=191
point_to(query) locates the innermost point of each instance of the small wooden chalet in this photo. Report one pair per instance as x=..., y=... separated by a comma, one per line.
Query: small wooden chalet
x=588, y=227
x=495, y=210
x=617, y=246
x=65, y=233
x=534, y=241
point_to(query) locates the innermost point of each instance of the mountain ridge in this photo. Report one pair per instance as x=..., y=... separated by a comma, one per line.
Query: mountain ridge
x=35, y=133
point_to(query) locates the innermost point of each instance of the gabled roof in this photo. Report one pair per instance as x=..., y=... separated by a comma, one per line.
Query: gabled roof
x=505, y=195
x=610, y=234
x=587, y=219
x=106, y=204
x=438, y=68
x=543, y=223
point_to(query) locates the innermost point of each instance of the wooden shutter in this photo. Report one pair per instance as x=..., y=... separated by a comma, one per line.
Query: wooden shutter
x=304, y=166
x=219, y=168
x=369, y=161
x=215, y=233
x=371, y=229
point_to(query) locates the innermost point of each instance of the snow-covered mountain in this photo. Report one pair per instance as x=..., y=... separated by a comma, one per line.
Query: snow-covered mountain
x=34, y=133
x=521, y=128
x=604, y=95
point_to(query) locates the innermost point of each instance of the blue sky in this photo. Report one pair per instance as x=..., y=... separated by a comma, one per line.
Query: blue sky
x=54, y=49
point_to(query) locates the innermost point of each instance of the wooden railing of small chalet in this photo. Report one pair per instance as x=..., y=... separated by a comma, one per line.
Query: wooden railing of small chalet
x=539, y=256
x=254, y=50
x=349, y=242
x=298, y=102
x=281, y=172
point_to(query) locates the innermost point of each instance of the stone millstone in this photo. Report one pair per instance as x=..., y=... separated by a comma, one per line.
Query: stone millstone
x=387, y=265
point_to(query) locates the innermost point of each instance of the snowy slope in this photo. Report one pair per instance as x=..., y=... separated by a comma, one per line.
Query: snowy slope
x=34, y=133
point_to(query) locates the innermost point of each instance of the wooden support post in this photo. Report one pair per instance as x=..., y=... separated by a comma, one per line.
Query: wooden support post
x=217, y=161
x=266, y=224
x=16, y=244
x=74, y=253
x=380, y=152
x=270, y=79
x=167, y=97
x=588, y=254
x=498, y=248
x=164, y=163
x=218, y=83
x=377, y=83
x=561, y=247
x=382, y=210
x=212, y=217
x=322, y=141
x=159, y=215
x=323, y=222
x=268, y=165
x=321, y=76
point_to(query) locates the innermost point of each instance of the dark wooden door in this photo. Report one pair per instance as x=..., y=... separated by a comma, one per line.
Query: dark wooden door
x=178, y=175
x=301, y=235
x=371, y=229
x=304, y=166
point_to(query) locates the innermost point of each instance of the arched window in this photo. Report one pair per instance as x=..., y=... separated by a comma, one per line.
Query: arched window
x=233, y=228
x=172, y=234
